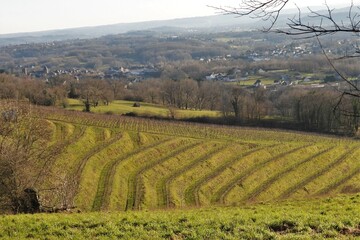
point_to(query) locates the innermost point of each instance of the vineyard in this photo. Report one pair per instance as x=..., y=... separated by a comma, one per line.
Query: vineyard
x=124, y=163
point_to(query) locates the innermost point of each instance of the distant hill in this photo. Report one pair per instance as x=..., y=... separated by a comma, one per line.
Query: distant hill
x=217, y=22
x=207, y=23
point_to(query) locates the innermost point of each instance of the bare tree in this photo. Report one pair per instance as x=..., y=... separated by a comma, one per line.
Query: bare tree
x=24, y=157
x=267, y=10
x=323, y=22
x=94, y=92
x=188, y=89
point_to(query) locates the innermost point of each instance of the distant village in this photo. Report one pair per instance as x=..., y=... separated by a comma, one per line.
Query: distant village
x=141, y=73
x=137, y=73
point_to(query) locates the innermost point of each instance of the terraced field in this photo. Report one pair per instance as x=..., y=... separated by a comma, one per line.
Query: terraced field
x=123, y=163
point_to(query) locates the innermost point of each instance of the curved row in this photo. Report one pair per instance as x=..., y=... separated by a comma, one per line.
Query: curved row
x=118, y=169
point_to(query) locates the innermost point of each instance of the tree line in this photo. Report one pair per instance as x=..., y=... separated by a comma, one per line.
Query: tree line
x=298, y=107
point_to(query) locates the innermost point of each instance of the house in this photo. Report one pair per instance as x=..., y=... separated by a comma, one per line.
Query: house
x=307, y=79
x=257, y=83
x=217, y=76
x=261, y=71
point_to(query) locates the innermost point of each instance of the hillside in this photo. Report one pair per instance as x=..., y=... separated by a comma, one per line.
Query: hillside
x=122, y=163
x=215, y=23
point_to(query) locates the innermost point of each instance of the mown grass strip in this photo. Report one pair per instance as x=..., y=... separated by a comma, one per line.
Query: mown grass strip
x=131, y=184
x=220, y=195
x=137, y=179
x=192, y=192
x=252, y=195
x=312, y=177
x=59, y=147
x=339, y=182
x=107, y=175
x=93, y=151
x=152, y=178
x=164, y=184
x=58, y=131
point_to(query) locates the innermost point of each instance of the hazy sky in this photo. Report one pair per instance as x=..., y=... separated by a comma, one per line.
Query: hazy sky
x=37, y=15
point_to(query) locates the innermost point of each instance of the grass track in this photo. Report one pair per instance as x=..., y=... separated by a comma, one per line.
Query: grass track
x=312, y=177
x=161, y=151
x=93, y=151
x=126, y=170
x=220, y=195
x=180, y=185
x=61, y=131
x=240, y=192
x=85, y=173
x=67, y=138
x=163, y=186
x=253, y=194
x=338, y=176
x=72, y=153
x=339, y=182
x=107, y=176
x=192, y=192
x=152, y=177
x=137, y=179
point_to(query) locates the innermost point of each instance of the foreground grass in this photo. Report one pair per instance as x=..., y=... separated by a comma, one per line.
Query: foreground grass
x=336, y=217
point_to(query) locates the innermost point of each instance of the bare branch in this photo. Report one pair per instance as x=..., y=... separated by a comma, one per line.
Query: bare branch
x=327, y=24
x=267, y=10
x=337, y=71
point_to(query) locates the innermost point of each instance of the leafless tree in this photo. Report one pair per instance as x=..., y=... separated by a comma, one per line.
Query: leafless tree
x=24, y=157
x=94, y=92
x=267, y=10
x=323, y=23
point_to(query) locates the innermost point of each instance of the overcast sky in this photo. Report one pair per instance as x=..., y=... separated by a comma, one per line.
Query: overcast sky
x=38, y=15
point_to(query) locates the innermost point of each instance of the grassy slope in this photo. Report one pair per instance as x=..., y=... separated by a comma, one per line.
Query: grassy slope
x=314, y=219
x=123, y=163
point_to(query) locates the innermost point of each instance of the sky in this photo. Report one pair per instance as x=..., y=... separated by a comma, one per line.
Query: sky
x=38, y=15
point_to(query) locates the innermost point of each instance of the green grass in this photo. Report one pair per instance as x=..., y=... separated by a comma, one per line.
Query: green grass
x=199, y=181
x=252, y=79
x=123, y=163
x=335, y=218
x=89, y=168
x=145, y=109
x=162, y=175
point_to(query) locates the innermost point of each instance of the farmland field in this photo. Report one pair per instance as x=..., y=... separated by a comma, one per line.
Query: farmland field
x=134, y=178
x=145, y=109
x=123, y=163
